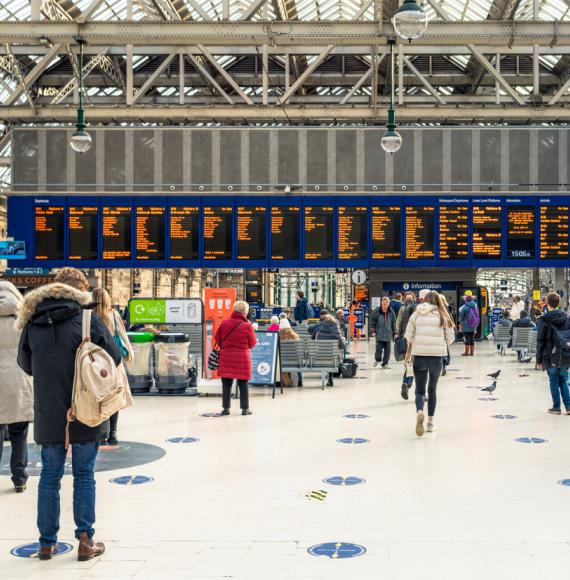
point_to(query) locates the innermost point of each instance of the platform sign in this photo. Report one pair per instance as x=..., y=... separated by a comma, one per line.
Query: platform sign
x=496, y=314
x=264, y=359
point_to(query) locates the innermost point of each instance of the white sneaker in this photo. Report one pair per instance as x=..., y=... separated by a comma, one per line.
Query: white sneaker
x=420, y=423
x=431, y=428
x=375, y=364
x=387, y=367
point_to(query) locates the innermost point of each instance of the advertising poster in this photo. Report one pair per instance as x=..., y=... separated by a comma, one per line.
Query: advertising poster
x=264, y=359
x=218, y=305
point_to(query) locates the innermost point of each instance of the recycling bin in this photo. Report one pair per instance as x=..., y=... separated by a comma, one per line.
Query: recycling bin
x=139, y=371
x=172, y=366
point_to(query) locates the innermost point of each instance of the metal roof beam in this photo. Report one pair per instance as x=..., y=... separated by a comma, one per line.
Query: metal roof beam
x=152, y=79
x=424, y=81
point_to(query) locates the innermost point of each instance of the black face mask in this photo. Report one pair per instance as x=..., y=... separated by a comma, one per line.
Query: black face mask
x=409, y=302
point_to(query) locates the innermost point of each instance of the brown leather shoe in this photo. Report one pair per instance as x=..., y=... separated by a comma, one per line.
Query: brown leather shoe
x=88, y=549
x=46, y=552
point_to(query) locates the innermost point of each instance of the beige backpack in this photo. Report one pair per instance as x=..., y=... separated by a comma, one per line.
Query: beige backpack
x=100, y=388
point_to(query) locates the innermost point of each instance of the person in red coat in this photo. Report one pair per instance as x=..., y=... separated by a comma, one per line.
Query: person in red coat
x=236, y=338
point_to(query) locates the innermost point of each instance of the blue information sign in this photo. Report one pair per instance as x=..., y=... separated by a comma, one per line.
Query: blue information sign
x=264, y=359
x=31, y=550
x=495, y=317
x=340, y=480
x=353, y=440
x=337, y=550
x=132, y=479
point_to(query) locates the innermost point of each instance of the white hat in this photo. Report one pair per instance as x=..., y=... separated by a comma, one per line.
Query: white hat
x=424, y=292
x=284, y=323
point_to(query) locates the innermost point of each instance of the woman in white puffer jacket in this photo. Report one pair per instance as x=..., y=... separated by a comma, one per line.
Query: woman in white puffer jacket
x=429, y=332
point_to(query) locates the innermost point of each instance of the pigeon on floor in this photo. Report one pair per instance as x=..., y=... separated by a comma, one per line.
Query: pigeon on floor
x=526, y=360
x=490, y=388
x=495, y=375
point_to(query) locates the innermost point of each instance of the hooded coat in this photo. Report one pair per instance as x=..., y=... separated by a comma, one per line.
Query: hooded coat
x=50, y=320
x=545, y=338
x=236, y=338
x=463, y=320
x=426, y=334
x=16, y=393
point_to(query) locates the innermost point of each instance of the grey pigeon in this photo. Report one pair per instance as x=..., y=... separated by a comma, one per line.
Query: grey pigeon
x=490, y=388
x=495, y=375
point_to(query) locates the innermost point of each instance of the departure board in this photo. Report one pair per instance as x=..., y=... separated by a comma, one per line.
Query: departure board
x=554, y=232
x=453, y=232
x=285, y=233
x=319, y=233
x=352, y=233
x=252, y=293
x=521, y=238
x=50, y=226
x=184, y=233
x=218, y=233
x=487, y=232
x=83, y=226
x=150, y=233
x=386, y=231
x=420, y=223
x=117, y=233
x=251, y=235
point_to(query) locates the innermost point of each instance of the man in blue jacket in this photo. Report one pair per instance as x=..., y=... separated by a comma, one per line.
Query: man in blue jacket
x=301, y=311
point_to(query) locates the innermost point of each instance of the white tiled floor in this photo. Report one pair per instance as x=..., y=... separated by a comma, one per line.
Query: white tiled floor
x=467, y=502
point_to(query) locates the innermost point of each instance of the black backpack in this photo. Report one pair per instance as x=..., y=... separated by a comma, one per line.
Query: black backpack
x=560, y=357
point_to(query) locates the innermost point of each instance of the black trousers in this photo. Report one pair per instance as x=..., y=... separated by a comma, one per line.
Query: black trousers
x=469, y=338
x=113, y=420
x=383, y=350
x=227, y=392
x=427, y=370
x=18, y=433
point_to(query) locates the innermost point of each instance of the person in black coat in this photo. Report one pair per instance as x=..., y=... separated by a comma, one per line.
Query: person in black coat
x=51, y=320
x=523, y=322
x=328, y=329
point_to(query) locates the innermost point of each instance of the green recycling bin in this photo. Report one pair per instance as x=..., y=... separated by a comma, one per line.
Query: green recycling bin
x=140, y=373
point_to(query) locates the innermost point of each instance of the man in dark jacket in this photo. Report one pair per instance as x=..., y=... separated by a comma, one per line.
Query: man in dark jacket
x=50, y=320
x=328, y=329
x=383, y=326
x=523, y=322
x=396, y=303
x=301, y=310
x=548, y=324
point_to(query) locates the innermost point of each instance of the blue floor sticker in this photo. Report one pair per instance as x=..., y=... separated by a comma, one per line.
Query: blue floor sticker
x=463, y=378
x=534, y=440
x=504, y=416
x=356, y=416
x=565, y=482
x=340, y=480
x=353, y=440
x=31, y=550
x=183, y=440
x=473, y=387
x=131, y=479
x=488, y=399
x=337, y=550
x=211, y=415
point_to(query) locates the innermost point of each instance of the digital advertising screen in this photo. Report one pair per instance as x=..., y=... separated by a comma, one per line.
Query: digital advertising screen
x=521, y=240
x=49, y=226
x=420, y=240
x=184, y=233
x=554, y=232
x=251, y=234
x=218, y=233
x=487, y=232
x=10, y=250
x=352, y=233
x=319, y=239
x=150, y=230
x=386, y=232
x=453, y=232
x=117, y=235
x=285, y=233
x=83, y=228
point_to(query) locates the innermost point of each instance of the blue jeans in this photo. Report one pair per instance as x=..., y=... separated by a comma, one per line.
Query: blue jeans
x=559, y=384
x=83, y=467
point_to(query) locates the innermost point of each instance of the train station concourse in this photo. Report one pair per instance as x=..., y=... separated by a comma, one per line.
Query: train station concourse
x=284, y=289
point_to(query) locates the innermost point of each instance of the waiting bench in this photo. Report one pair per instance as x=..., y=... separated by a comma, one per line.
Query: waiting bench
x=502, y=336
x=298, y=356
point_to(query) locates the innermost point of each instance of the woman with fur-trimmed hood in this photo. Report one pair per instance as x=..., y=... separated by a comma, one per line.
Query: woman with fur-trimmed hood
x=50, y=320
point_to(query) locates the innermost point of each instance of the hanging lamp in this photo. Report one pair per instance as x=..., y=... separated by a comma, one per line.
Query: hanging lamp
x=80, y=140
x=391, y=140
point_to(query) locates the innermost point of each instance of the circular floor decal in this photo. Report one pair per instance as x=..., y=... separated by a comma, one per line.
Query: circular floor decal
x=565, y=482
x=488, y=399
x=183, y=440
x=504, y=416
x=353, y=440
x=211, y=415
x=337, y=550
x=340, y=480
x=132, y=479
x=463, y=378
x=473, y=387
x=123, y=456
x=534, y=440
x=31, y=550
x=356, y=416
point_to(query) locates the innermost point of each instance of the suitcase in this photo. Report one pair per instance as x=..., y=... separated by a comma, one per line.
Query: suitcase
x=348, y=368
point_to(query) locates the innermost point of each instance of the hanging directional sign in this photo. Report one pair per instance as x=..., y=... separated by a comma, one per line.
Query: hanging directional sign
x=31, y=550
x=359, y=277
x=131, y=479
x=340, y=480
x=353, y=440
x=337, y=550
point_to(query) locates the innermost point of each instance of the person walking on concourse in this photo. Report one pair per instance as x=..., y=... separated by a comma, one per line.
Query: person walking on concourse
x=383, y=326
x=554, y=320
x=16, y=394
x=430, y=331
x=51, y=323
x=235, y=337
